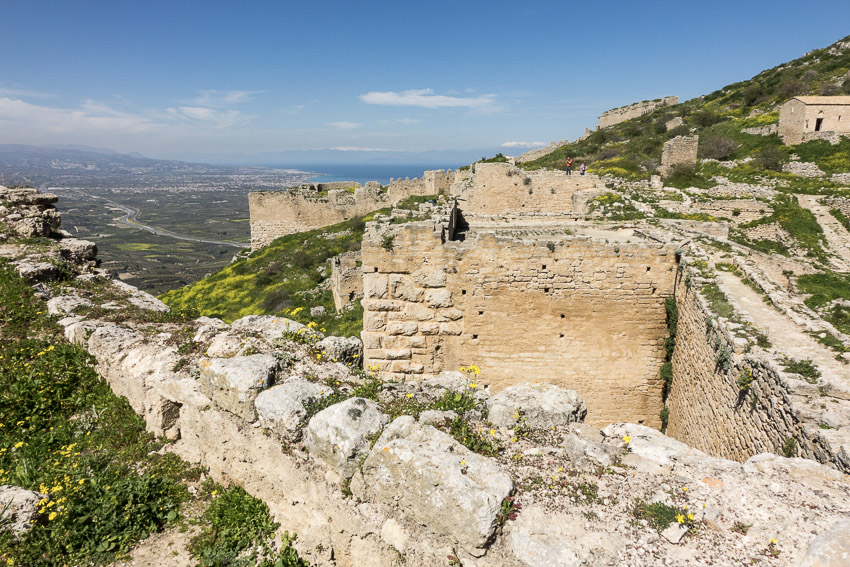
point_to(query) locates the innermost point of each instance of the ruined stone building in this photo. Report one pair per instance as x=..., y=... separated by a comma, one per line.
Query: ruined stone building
x=636, y=110
x=805, y=118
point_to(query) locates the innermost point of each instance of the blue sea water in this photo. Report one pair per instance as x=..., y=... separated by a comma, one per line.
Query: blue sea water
x=362, y=173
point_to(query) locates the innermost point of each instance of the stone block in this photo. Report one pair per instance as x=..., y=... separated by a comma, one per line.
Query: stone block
x=374, y=321
x=436, y=481
x=338, y=436
x=281, y=409
x=429, y=328
x=450, y=329
x=233, y=384
x=438, y=298
x=375, y=286
x=406, y=328
x=449, y=315
x=428, y=277
x=403, y=288
x=372, y=340
x=418, y=312
x=542, y=406
x=382, y=305
x=397, y=354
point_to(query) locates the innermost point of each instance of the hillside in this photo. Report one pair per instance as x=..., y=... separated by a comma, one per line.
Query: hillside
x=632, y=149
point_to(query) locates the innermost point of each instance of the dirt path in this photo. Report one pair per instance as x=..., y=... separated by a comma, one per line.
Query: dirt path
x=837, y=237
x=787, y=337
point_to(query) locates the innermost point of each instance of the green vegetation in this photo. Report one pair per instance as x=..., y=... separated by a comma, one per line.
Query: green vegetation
x=240, y=532
x=824, y=289
x=660, y=515
x=717, y=301
x=285, y=278
x=632, y=149
x=799, y=222
x=107, y=488
x=841, y=217
x=805, y=368
x=615, y=207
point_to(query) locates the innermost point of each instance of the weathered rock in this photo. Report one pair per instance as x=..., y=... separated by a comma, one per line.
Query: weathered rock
x=431, y=417
x=281, y=409
x=340, y=349
x=318, y=311
x=66, y=304
x=586, y=454
x=268, y=326
x=540, y=537
x=227, y=345
x=18, y=506
x=141, y=299
x=208, y=327
x=37, y=271
x=542, y=406
x=395, y=535
x=674, y=532
x=234, y=383
x=831, y=548
x=338, y=436
x=76, y=250
x=437, y=481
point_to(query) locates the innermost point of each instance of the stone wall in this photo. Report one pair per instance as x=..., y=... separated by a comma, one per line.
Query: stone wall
x=617, y=115
x=737, y=210
x=432, y=182
x=278, y=213
x=581, y=313
x=501, y=188
x=710, y=411
x=679, y=150
x=346, y=278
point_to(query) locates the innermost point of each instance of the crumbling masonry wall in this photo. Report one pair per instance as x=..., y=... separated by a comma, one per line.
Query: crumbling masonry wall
x=710, y=411
x=679, y=150
x=278, y=213
x=501, y=188
x=617, y=115
x=432, y=182
x=572, y=311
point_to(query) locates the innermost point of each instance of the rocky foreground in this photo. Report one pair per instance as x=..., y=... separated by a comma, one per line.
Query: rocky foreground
x=437, y=472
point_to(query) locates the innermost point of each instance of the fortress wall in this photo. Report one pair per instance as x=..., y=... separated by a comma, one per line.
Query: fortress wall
x=587, y=316
x=538, y=153
x=617, y=115
x=278, y=213
x=708, y=409
x=501, y=188
x=346, y=278
x=432, y=182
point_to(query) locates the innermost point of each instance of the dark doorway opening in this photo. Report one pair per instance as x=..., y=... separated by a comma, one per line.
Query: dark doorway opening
x=818, y=124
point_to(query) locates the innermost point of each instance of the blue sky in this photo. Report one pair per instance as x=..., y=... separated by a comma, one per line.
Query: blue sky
x=211, y=79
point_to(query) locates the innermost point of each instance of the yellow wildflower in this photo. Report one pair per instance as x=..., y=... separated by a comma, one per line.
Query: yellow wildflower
x=52, y=516
x=680, y=518
x=627, y=439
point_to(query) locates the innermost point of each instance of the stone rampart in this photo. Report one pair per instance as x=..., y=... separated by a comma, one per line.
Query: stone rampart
x=730, y=403
x=617, y=115
x=574, y=311
x=278, y=213
x=737, y=210
x=432, y=182
x=501, y=188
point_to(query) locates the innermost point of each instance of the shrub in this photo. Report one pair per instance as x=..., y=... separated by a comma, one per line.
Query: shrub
x=789, y=447
x=716, y=147
x=770, y=157
x=387, y=242
x=705, y=118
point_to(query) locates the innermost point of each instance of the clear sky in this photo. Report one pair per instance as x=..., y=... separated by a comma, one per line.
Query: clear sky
x=177, y=78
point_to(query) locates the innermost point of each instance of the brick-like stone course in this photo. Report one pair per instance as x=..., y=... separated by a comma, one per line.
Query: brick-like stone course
x=586, y=315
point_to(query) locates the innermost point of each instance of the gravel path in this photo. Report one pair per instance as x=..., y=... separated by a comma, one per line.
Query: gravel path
x=837, y=237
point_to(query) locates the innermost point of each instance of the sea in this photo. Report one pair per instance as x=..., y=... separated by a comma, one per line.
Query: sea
x=362, y=173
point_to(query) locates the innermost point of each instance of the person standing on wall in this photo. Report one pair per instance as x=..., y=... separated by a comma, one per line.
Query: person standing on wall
x=569, y=166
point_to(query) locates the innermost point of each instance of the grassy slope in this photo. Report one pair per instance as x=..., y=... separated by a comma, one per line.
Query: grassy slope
x=625, y=148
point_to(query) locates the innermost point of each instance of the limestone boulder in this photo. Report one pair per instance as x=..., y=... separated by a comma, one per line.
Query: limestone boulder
x=282, y=408
x=341, y=349
x=437, y=481
x=233, y=384
x=37, y=271
x=76, y=250
x=540, y=537
x=587, y=454
x=18, y=507
x=65, y=304
x=542, y=406
x=208, y=327
x=338, y=436
x=141, y=299
x=269, y=327
x=830, y=548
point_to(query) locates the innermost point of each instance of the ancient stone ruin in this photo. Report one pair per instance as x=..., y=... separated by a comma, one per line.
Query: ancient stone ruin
x=805, y=118
x=681, y=150
x=635, y=110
